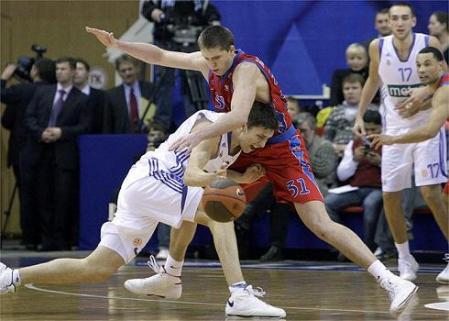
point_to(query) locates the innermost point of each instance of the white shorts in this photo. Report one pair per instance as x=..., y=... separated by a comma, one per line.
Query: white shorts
x=143, y=202
x=427, y=160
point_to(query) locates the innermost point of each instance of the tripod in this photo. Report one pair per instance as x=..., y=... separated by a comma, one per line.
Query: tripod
x=7, y=214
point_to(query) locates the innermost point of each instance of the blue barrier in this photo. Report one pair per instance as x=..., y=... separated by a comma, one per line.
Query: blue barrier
x=104, y=163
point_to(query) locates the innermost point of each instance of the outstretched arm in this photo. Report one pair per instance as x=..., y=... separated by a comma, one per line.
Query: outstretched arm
x=152, y=54
x=244, y=82
x=440, y=112
x=369, y=89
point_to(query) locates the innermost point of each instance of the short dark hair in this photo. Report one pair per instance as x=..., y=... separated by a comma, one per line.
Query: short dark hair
x=46, y=69
x=404, y=4
x=69, y=60
x=352, y=78
x=124, y=58
x=436, y=52
x=216, y=37
x=83, y=62
x=383, y=11
x=442, y=18
x=307, y=118
x=372, y=116
x=262, y=115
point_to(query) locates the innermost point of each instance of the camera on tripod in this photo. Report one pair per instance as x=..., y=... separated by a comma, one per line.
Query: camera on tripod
x=24, y=63
x=184, y=30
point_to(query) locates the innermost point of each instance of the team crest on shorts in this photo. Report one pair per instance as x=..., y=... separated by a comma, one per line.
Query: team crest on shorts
x=137, y=242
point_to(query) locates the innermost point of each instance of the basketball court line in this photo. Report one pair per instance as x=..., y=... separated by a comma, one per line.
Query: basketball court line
x=35, y=288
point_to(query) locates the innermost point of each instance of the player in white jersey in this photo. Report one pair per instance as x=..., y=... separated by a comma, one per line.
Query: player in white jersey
x=166, y=186
x=393, y=67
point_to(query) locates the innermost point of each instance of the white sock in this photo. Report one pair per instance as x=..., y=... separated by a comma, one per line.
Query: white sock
x=239, y=286
x=173, y=267
x=403, y=250
x=378, y=270
x=16, y=277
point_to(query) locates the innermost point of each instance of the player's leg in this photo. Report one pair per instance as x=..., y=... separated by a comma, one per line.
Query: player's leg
x=432, y=196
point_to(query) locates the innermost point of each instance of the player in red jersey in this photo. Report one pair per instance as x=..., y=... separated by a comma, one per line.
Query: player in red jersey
x=236, y=81
x=430, y=66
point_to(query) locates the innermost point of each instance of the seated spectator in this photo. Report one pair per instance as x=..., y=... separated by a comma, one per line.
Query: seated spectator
x=293, y=108
x=321, y=152
x=357, y=61
x=128, y=104
x=97, y=98
x=439, y=28
x=338, y=128
x=361, y=166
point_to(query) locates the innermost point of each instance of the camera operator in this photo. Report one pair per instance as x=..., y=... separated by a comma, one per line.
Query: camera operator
x=361, y=166
x=16, y=98
x=177, y=25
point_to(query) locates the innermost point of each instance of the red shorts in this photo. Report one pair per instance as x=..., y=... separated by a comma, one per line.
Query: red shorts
x=287, y=166
x=446, y=189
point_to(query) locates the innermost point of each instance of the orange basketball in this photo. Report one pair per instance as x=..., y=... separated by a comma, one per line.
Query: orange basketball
x=224, y=200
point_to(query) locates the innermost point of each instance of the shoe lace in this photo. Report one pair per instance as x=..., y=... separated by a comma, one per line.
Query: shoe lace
x=258, y=291
x=152, y=264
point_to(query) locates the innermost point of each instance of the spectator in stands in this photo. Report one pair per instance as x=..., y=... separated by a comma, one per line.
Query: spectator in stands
x=439, y=27
x=338, y=128
x=361, y=166
x=97, y=97
x=357, y=61
x=382, y=26
x=55, y=117
x=321, y=152
x=128, y=104
x=293, y=108
x=16, y=98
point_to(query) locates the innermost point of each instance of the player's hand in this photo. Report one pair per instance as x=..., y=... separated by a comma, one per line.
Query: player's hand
x=378, y=140
x=187, y=142
x=412, y=105
x=106, y=38
x=359, y=127
x=252, y=174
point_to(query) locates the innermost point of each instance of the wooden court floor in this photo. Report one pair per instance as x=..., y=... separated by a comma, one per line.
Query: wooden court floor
x=307, y=291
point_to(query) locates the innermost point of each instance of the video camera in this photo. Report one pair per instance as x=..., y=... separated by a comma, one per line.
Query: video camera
x=184, y=30
x=24, y=63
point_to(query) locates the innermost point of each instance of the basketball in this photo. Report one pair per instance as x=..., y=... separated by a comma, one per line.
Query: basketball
x=224, y=200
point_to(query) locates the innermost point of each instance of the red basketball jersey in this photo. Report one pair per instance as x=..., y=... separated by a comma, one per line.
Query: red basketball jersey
x=221, y=88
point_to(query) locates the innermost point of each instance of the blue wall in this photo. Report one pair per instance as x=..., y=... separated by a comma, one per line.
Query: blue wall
x=304, y=41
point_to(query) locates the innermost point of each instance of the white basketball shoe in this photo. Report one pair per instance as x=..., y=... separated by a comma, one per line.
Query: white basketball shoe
x=443, y=277
x=399, y=290
x=245, y=303
x=162, y=284
x=6, y=280
x=407, y=268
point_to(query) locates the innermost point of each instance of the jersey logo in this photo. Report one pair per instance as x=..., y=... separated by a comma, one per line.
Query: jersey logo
x=401, y=90
x=219, y=102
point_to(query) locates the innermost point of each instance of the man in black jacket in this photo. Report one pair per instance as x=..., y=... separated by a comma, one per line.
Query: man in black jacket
x=97, y=98
x=16, y=98
x=55, y=117
x=127, y=103
x=177, y=25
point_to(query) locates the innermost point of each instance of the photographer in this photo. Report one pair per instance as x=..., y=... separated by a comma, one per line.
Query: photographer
x=361, y=166
x=177, y=25
x=16, y=98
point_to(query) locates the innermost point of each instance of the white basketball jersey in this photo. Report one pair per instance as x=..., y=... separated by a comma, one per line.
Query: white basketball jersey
x=397, y=78
x=174, y=163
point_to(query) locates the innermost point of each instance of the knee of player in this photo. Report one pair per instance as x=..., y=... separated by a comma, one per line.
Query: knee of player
x=98, y=272
x=431, y=194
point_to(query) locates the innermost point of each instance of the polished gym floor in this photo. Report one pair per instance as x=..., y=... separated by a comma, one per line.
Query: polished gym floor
x=308, y=291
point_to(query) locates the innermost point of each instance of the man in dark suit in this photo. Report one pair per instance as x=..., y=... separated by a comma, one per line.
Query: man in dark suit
x=97, y=98
x=55, y=117
x=16, y=98
x=127, y=104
